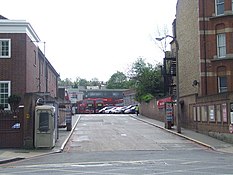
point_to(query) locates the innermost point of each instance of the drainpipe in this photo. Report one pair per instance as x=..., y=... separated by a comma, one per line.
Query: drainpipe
x=204, y=44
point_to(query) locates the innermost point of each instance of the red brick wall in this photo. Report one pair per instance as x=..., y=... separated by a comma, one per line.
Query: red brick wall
x=52, y=83
x=13, y=69
x=151, y=110
x=213, y=26
x=24, y=68
x=32, y=67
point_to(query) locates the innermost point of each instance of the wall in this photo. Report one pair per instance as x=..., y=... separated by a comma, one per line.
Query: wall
x=188, y=37
x=13, y=69
x=216, y=122
x=187, y=28
x=151, y=110
x=11, y=137
x=32, y=67
x=215, y=125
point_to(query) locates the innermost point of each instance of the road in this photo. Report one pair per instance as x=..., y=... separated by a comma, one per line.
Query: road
x=120, y=144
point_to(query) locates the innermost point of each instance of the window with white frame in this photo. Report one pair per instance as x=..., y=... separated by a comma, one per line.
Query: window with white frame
x=219, y=7
x=221, y=45
x=222, y=84
x=4, y=93
x=5, y=48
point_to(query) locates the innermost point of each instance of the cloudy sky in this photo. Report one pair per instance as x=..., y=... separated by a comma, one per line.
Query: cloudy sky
x=95, y=38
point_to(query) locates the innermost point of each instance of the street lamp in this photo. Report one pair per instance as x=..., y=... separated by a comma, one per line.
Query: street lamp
x=177, y=82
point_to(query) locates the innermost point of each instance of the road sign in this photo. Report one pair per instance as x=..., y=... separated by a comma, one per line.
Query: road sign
x=169, y=111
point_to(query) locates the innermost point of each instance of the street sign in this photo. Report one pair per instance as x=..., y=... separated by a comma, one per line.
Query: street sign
x=169, y=111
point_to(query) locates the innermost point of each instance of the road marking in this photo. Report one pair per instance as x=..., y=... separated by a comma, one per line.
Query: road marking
x=189, y=163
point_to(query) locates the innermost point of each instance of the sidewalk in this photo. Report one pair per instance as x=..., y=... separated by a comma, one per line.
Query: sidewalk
x=196, y=137
x=10, y=155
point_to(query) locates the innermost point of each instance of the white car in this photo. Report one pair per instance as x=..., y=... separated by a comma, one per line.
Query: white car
x=110, y=111
x=117, y=110
x=102, y=111
x=131, y=110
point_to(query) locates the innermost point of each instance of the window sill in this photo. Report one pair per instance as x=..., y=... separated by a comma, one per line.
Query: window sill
x=227, y=57
x=226, y=14
x=1, y=57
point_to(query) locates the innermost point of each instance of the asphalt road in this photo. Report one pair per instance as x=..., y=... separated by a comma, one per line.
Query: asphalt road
x=119, y=144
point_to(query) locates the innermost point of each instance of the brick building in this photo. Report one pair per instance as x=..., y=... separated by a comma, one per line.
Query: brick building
x=24, y=72
x=24, y=67
x=204, y=32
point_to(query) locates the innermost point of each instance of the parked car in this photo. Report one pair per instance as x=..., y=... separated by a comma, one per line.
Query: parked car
x=123, y=108
x=127, y=107
x=117, y=110
x=102, y=111
x=110, y=111
x=131, y=110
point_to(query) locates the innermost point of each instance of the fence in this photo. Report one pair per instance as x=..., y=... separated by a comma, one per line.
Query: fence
x=11, y=128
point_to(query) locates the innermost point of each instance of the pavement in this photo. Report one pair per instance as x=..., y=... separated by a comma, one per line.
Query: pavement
x=11, y=155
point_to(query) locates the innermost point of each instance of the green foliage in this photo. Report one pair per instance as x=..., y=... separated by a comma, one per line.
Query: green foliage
x=147, y=98
x=94, y=82
x=147, y=80
x=66, y=82
x=78, y=82
x=143, y=77
x=118, y=81
x=14, y=100
x=82, y=82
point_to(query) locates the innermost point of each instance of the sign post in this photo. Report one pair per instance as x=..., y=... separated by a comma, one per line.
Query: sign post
x=168, y=115
x=231, y=118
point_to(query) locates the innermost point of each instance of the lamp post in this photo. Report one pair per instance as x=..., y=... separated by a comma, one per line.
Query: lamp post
x=177, y=82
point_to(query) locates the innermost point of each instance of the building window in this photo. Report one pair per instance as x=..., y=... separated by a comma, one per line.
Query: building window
x=232, y=5
x=4, y=94
x=44, y=122
x=204, y=113
x=222, y=84
x=35, y=58
x=221, y=45
x=211, y=112
x=5, y=48
x=219, y=7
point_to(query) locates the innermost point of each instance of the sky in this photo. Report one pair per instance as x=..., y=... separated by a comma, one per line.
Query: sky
x=95, y=38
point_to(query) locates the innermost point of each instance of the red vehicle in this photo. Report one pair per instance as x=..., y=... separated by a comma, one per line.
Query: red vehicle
x=81, y=108
x=119, y=102
x=99, y=104
x=86, y=106
x=90, y=106
x=93, y=105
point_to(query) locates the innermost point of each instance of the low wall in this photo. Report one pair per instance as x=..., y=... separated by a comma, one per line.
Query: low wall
x=151, y=110
x=210, y=115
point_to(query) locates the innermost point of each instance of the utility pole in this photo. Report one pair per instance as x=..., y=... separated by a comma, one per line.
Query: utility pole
x=177, y=82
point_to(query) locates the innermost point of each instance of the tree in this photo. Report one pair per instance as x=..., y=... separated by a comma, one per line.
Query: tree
x=66, y=82
x=94, y=82
x=83, y=82
x=118, y=81
x=146, y=80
